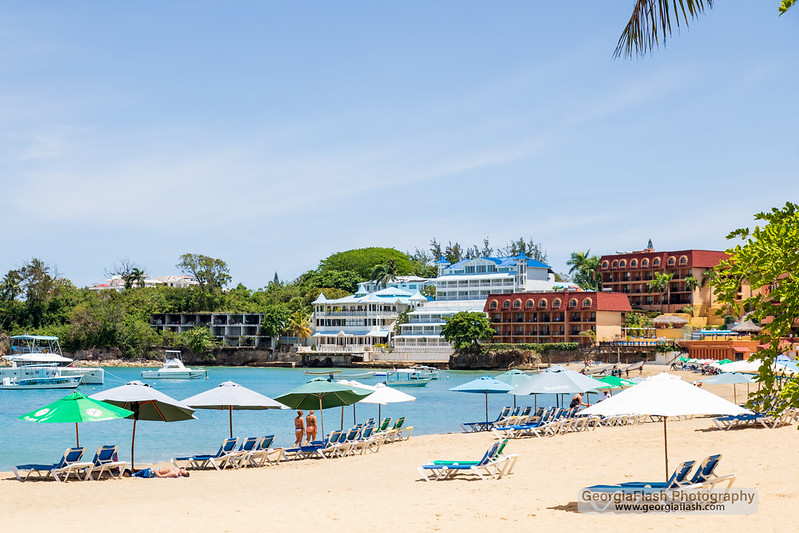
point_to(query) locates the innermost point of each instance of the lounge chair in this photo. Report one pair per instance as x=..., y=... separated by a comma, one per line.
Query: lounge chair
x=201, y=462
x=399, y=432
x=677, y=479
x=705, y=476
x=263, y=453
x=105, y=462
x=238, y=457
x=68, y=465
x=492, y=465
x=303, y=452
x=470, y=427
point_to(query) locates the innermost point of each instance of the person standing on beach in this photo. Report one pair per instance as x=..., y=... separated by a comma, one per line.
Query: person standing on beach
x=577, y=400
x=299, y=429
x=310, y=427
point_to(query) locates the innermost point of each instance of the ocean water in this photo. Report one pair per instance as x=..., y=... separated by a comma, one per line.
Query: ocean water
x=436, y=410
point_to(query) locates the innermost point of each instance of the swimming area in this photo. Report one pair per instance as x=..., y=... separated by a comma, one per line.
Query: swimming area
x=436, y=410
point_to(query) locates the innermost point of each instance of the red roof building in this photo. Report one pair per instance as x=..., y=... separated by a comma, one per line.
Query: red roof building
x=630, y=274
x=541, y=317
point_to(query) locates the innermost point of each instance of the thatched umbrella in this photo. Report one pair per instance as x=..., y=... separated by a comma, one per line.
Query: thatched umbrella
x=747, y=327
x=670, y=320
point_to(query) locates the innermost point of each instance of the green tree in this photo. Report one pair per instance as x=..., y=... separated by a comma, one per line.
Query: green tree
x=652, y=20
x=129, y=271
x=275, y=321
x=212, y=274
x=585, y=270
x=199, y=340
x=766, y=260
x=466, y=329
x=453, y=252
x=531, y=249
x=363, y=261
x=299, y=324
x=661, y=283
x=385, y=274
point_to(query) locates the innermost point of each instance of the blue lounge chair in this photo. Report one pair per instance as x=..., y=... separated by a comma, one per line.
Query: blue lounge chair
x=677, y=479
x=68, y=465
x=491, y=465
x=263, y=453
x=470, y=427
x=238, y=457
x=302, y=452
x=200, y=462
x=106, y=462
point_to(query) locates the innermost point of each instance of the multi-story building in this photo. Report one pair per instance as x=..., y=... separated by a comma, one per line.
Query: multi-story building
x=629, y=273
x=420, y=338
x=357, y=323
x=406, y=283
x=233, y=329
x=557, y=316
x=476, y=279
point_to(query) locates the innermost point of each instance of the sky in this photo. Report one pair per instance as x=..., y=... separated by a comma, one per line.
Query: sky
x=271, y=134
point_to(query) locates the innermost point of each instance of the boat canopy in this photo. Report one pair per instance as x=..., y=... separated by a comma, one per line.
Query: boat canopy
x=37, y=358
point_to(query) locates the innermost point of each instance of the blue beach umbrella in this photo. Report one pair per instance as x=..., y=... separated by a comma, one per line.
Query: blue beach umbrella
x=559, y=380
x=514, y=378
x=484, y=385
x=730, y=378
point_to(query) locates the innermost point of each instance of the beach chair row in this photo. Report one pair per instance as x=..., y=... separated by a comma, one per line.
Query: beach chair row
x=507, y=416
x=357, y=440
x=493, y=465
x=704, y=478
x=769, y=421
x=105, y=462
x=252, y=452
x=546, y=422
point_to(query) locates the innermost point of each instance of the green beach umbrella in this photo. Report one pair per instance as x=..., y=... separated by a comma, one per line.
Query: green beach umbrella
x=321, y=394
x=76, y=408
x=724, y=361
x=682, y=359
x=617, y=382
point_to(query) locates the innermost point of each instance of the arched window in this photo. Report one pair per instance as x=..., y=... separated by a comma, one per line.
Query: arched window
x=517, y=303
x=623, y=263
x=644, y=262
x=587, y=302
x=672, y=261
x=493, y=304
x=529, y=304
x=634, y=263
x=506, y=304
x=615, y=264
x=604, y=264
x=656, y=262
x=542, y=303
x=683, y=260
x=556, y=303
x=572, y=303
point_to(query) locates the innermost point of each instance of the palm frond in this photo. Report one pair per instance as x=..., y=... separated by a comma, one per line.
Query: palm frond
x=651, y=23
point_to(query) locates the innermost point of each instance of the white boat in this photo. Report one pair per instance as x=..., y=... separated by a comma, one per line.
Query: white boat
x=406, y=377
x=174, y=369
x=425, y=371
x=36, y=363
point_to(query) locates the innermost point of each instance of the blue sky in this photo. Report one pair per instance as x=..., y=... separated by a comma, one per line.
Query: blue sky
x=271, y=134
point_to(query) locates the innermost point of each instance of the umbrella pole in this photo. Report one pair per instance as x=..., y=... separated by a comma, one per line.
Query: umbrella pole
x=321, y=417
x=354, y=421
x=77, y=439
x=379, y=416
x=666, y=447
x=230, y=416
x=486, y=407
x=132, y=443
x=734, y=393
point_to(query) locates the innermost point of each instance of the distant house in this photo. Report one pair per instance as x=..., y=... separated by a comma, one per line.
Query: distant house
x=116, y=283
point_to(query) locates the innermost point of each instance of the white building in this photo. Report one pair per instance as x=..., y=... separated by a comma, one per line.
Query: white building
x=357, y=323
x=475, y=279
x=116, y=283
x=420, y=338
x=406, y=283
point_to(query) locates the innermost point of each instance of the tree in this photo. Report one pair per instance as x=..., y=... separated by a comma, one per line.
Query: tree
x=435, y=250
x=651, y=22
x=529, y=248
x=363, y=261
x=585, y=270
x=661, y=283
x=199, y=340
x=299, y=324
x=453, y=252
x=212, y=274
x=385, y=274
x=767, y=261
x=649, y=245
x=275, y=321
x=129, y=271
x=466, y=329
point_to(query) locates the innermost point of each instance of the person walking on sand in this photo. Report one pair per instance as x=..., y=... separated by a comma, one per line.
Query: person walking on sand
x=310, y=427
x=299, y=429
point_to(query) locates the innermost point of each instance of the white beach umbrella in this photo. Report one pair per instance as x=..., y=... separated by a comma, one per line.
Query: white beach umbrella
x=665, y=395
x=229, y=396
x=384, y=395
x=559, y=380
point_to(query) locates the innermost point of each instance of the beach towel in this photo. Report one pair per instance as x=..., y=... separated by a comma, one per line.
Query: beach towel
x=147, y=472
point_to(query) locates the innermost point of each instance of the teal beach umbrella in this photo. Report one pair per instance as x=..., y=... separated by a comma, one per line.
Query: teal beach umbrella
x=484, y=385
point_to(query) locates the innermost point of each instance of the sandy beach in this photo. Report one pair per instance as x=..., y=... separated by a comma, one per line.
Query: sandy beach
x=385, y=491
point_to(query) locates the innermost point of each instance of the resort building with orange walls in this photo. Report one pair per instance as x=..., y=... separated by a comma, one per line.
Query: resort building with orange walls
x=559, y=316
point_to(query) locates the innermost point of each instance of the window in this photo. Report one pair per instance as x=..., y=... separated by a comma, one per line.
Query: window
x=644, y=263
x=505, y=304
x=604, y=265
x=556, y=303
x=529, y=304
x=672, y=261
x=517, y=303
x=656, y=262
x=542, y=304
x=634, y=263
x=493, y=304
x=623, y=263
x=683, y=260
x=615, y=264
x=572, y=303
x=587, y=302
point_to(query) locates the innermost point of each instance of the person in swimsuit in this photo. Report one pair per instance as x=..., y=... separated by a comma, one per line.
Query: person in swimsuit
x=578, y=400
x=310, y=427
x=299, y=429
x=170, y=471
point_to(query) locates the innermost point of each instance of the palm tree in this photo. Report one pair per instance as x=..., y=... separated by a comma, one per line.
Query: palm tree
x=585, y=270
x=385, y=274
x=299, y=324
x=661, y=283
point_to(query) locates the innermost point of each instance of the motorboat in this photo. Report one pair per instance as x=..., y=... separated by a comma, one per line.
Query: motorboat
x=425, y=371
x=36, y=362
x=406, y=377
x=174, y=369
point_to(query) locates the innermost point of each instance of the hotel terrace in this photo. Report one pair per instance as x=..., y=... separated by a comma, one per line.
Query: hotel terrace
x=630, y=272
x=556, y=316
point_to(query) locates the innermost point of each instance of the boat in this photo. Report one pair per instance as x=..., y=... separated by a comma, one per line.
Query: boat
x=36, y=363
x=406, y=377
x=322, y=373
x=174, y=369
x=425, y=371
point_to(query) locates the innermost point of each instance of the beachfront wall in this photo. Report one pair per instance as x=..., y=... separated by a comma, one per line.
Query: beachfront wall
x=559, y=316
x=629, y=273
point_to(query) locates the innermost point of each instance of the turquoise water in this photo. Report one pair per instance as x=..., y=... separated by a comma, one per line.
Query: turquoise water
x=436, y=410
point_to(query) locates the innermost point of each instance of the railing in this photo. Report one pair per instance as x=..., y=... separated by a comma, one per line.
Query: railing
x=412, y=356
